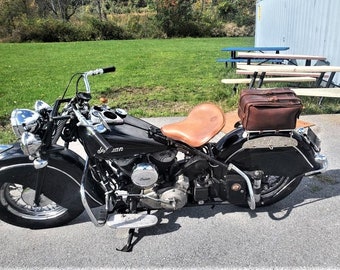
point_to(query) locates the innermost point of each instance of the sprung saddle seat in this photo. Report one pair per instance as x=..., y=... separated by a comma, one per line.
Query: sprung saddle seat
x=202, y=124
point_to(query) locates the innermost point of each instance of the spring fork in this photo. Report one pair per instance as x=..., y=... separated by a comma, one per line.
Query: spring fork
x=40, y=165
x=39, y=184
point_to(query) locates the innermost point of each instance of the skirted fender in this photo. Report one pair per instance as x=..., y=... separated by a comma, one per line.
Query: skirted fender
x=62, y=175
x=278, y=159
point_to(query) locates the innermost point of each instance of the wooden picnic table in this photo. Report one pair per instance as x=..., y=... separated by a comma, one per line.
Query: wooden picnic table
x=271, y=56
x=262, y=70
x=236, y=59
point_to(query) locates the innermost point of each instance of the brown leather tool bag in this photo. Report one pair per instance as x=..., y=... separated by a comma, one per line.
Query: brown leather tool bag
x=270, y=109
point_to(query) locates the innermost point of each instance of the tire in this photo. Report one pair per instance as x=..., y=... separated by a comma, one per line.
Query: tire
x=59, y=201
x=276, y=188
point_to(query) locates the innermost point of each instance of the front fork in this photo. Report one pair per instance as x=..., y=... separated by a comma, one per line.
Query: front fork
x=40, y=165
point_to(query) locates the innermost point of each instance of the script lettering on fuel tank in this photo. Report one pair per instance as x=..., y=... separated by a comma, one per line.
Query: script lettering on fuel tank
x=114, y=150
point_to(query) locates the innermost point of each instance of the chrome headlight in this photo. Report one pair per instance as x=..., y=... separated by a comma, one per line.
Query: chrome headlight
x=24, y=120
x=41, y=105
x=30, y=143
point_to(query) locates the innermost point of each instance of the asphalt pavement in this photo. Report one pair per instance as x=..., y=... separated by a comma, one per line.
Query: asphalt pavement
x=301, y=231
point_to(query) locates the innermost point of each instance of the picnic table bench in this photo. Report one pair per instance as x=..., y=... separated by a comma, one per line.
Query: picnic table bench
x=251, y=81
x=275, y=79
x=262, y=70
x=316, y=91
x=236, y=59
x=281, y=74
x=269, y=57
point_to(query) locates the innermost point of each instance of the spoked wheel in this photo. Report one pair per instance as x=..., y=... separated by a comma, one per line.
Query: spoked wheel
x=19, y=201
x=275, y=188
x=17, y=207
x=56, y=203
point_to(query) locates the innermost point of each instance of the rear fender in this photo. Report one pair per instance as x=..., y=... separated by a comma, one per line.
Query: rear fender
x=63, y=175
x=276, y=160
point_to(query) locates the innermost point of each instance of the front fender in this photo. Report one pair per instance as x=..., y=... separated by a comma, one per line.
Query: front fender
x=62, y=184
x=11, y=152
x=289, y=161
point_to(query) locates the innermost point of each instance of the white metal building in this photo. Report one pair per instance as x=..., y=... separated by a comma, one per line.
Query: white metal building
x=306, y=26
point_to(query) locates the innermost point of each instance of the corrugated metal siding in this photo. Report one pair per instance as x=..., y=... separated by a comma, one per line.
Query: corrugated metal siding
x=306, y=26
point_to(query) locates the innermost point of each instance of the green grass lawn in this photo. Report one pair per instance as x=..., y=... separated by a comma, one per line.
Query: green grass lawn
x=153, y=78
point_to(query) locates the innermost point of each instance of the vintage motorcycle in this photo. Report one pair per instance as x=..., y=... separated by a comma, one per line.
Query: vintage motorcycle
x=133, y=167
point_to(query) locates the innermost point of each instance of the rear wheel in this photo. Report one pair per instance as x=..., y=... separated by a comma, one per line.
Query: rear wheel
x=276, y=188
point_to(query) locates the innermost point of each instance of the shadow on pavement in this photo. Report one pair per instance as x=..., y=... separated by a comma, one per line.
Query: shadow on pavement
x=310, y=191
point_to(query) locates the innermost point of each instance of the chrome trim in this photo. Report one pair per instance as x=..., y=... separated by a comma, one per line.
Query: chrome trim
x=297, y=149
x=57, y=169
x=270, y=142
x=251, y=200
x=24, y=120
x=30, y=143
x=83, y=196
x=41, y=105
x=19, y=207
x=310, y=164
x=323, y=161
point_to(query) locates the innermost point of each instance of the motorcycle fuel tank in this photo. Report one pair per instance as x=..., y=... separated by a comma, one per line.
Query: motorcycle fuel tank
x=127, y=139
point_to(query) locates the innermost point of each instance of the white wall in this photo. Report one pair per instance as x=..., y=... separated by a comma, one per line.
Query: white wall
x=306, y=26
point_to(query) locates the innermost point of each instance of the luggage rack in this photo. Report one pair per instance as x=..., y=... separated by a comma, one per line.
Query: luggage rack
x=269, y=142
x=247, y=133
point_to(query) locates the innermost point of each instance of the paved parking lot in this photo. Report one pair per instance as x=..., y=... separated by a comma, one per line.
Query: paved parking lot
x=301, y=231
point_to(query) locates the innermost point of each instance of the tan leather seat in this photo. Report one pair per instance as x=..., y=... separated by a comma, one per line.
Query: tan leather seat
x=202, y=124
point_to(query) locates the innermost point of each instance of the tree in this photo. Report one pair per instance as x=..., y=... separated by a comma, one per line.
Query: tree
x=175, y=16
x=64, y=9
x=239, y=11
x=10, y=10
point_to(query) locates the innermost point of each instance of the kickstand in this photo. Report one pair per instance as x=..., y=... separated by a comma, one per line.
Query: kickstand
x=128, y=247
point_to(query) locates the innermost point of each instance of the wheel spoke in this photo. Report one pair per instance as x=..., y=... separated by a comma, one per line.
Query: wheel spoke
x=19, y=201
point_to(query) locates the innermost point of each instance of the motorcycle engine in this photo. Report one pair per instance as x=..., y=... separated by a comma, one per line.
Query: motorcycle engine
x=146, y=170
x=144, y=175
x=152, y=174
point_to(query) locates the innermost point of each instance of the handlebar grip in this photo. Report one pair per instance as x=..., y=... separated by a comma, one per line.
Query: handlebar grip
x=109, y=69
x=61, y=117
x=105, y=147
x=100, y=71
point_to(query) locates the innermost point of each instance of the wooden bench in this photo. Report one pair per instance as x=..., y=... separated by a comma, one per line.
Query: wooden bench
x=318, y=92
x=282, y=74
x=249, y=81
x=244, y=60
x=272, y=79
x=262, y=70
x=234, y=50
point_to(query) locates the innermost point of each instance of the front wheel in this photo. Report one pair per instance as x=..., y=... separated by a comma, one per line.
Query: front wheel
x=17, y=207
x=57, y=205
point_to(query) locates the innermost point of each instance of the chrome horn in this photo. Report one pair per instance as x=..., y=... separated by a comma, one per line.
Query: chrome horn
x=30, y=144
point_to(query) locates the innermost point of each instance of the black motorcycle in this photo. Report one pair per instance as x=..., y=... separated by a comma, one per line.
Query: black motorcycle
x=133, y=167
